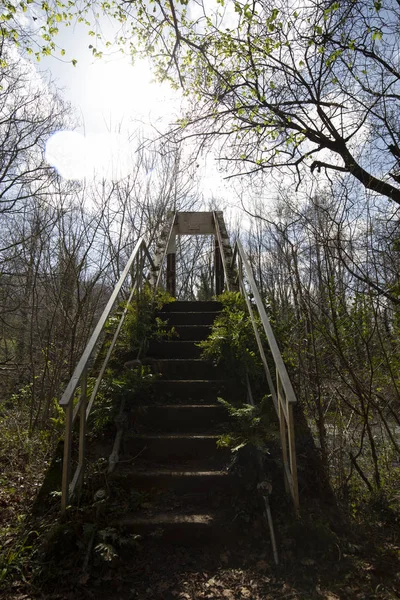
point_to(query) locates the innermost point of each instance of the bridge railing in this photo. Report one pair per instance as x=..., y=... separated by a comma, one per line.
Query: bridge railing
x=133, y=275
x=239, y=271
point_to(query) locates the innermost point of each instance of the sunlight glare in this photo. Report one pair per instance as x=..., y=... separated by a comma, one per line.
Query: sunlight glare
x=120, y=91
x=117, y=97
x=76, y=157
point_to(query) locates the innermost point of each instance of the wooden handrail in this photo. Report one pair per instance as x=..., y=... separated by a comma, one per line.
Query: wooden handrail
x=276, y=354
x=68, y=395
x=165, y=252
x=221, y=250
x=283, y=396
x=80, y=376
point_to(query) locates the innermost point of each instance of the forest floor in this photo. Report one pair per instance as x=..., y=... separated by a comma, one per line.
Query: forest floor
x=152, y=571
x=324, y=554
x=321, y=557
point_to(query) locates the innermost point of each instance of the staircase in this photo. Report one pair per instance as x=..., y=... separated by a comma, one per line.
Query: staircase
x=171, y=443
x=170, y=460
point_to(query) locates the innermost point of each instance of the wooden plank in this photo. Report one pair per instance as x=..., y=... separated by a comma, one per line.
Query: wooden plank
x=109, y=352
x=159, y=263
x=82, y=428
x=66, y=474
x=74, y=381
x=292, y=458
x=261, y=351
x=282, y=428
x=221, y=251
x=280, y=365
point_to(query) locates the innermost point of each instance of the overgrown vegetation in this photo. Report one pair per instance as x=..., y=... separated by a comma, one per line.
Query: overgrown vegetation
x=27, y=451
x=248, y=425
x=339, y=336
x=142, y=324
x=231, y=343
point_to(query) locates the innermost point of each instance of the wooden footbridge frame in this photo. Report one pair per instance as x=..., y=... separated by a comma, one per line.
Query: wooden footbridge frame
x=232, y=272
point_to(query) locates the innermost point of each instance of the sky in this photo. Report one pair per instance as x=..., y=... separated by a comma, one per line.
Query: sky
x=113, y=99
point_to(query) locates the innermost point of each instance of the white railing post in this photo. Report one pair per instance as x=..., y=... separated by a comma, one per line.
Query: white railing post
x=282, y=429
x=284, y=396
x=82, y=429
x=66, y=474
x=292, y=458
x=81, y=373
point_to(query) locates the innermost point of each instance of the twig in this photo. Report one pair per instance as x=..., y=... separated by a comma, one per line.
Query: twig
x=129, y=460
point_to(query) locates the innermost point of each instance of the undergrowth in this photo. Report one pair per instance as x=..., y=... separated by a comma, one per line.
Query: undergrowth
x=232, y=343
x=233, y=346
x=27, y=450
x=248, y=425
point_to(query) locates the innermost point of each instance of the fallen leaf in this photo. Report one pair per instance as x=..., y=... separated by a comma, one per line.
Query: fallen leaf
x=163, y=586
x=83, y=579
x=245, y=592
x=225, y=557
x=307, y=562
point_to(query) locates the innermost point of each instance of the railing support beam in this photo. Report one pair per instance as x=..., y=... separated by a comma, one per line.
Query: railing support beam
x=219, y=268
x=82, y=408
x=66, y=475
x=82, y=429
x=284, y=398
x=171, y=273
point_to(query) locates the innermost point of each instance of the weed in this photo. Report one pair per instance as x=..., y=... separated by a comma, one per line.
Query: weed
x=232, y=343
x=248, y=425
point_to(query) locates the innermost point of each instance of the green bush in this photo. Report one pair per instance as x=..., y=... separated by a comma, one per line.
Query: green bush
x=232, y=342
x=248, y=425
x=141, y=323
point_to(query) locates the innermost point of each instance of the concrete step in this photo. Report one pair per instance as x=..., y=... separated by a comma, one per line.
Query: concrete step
x=188, y=318
x=182, y=368
x=172, y=446
x=194, y=391
x=189, y=528
x=192, y=306
x=183, y=480
x=185, y=418
x=174, y=349
x=194, y=333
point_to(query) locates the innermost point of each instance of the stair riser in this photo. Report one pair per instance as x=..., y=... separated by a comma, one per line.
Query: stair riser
x=178, y=419
x=172, y=349
x=186, y=534
x=200, y=391
x=182, y=306
x=192, y=332
x=187, y=369
x=193, y=318
x=182, y=484
x=173, y=449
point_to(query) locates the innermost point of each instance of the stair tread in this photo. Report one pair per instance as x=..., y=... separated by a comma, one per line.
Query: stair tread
x=189, y=312
x=213, y=381
x=194, y=325
x=173, y=436
x=198, y=464
x=169, y=518
x=196, y=360
x=187, y=472
x=178, y=406
x=192, y=306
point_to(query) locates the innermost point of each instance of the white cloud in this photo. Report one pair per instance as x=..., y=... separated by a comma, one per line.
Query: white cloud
x=78, y=157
